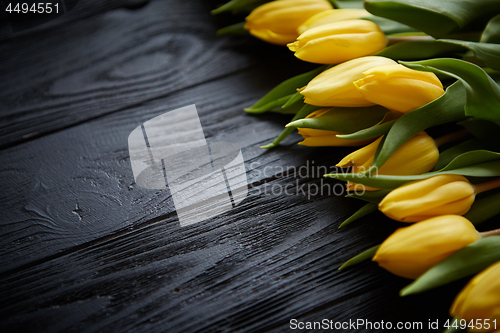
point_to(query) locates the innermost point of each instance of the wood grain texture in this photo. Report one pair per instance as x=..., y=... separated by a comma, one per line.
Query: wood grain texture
x=106, y=63
x=86, y=250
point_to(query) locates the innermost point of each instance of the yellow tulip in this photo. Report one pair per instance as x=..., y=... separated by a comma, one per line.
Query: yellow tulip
x=480, y=299
x=334, y=87
x=321, y=138
x=409, y=252
x=337, y=42
x=277, y=21
x=420, y=200
x=332, y=15
x=419, y=155
x=399, y=88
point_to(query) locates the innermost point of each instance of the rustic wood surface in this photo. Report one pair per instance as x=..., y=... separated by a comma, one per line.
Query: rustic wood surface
x=85, y=249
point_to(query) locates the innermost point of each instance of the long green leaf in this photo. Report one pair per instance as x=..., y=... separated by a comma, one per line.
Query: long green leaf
x=484, y=208
x=363, y=211
x=235, y=29
x=389, y=27
x=488, y=169
x=468, y=261
x=486, y=131
x=472, y=158
x=491, y=33
x=421, y=49
x=286, y=88
x=487, y=53
x=445, y=109
x=290, y=108
x=344, y=120
x=483, y=93
x=370, y=196
x=451, y=153
x=304, y=112
x=370, y=132
x=436, y=18
x=365, y=255
x=277, y=103
x=237, y=6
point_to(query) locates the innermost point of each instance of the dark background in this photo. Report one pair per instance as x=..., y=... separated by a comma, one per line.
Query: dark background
x=83, y=248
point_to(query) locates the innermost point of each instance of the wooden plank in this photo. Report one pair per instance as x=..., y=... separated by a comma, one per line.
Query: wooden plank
x=86, y=71
x=241, y=272
x=84, y=249
x=13, y=26
x=76, y=185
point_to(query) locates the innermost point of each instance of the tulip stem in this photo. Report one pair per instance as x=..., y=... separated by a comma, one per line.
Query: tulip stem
x=399, y=39
x=489, y=185
x=495, y=232
x=451, y=137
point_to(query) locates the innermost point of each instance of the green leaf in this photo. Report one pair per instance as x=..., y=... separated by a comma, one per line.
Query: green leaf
x=389, y=27
x=370, y=132
x=484, y=208
x=491, y=33
x=471, y=158
x=237, y=6
x=451, y=153
x=287, y=88
x=487, y=53
x=370, y=196
x=363, y=211
x=344, y=120
x=483, y=94
x=367, y=254
x=235, y=29
x=303, y=112
x=421, y=49
x=470, y=260
x=447, y=108
x=290, y=108
x=489, y=169
x=436, y=18
x=293, y=99
x=486, y=131
x=277, y=103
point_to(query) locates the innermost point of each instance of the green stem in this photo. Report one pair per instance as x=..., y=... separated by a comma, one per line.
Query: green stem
x=495, y=232
x=490, y=185
x=451, y=137
x=396, y=39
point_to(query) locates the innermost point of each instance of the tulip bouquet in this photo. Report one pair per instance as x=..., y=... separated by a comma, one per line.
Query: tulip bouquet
x=390, y=70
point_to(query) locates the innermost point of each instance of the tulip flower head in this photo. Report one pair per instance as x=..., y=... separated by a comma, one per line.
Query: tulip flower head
x=322, y=138
x=337, y=42
x=423, y=199
x=277, y=21
x=399, y=88
x=331, y=16
x=411, y=251
x=334, y=87
x=419, y=155
x=480, y=299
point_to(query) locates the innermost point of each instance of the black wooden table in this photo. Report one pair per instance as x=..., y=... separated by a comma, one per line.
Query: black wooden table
x=84, y=248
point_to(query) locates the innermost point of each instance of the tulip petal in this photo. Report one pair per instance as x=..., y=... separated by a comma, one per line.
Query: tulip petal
x=334, y=87
x=467, y=261
x=411, y=251
x=447, y=108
